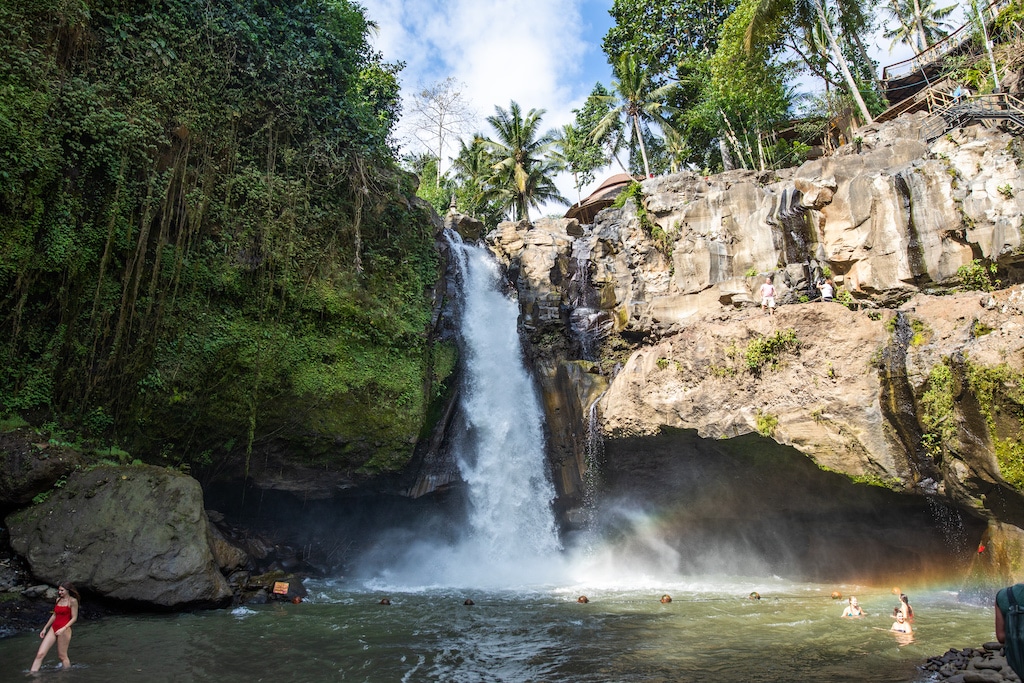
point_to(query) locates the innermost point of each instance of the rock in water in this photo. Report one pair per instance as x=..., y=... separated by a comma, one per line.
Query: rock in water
x=129, y=533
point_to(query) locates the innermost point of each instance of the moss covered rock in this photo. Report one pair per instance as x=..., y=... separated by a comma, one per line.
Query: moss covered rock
x=135, y=533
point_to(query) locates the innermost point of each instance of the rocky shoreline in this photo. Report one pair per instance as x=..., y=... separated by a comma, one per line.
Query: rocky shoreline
x=985, y=664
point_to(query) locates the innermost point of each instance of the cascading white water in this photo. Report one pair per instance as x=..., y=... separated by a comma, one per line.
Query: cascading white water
x=501, y=456
x=586, y=320
x=511, y=540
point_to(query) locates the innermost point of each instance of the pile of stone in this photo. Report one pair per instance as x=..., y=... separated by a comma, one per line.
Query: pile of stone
x=985, y=664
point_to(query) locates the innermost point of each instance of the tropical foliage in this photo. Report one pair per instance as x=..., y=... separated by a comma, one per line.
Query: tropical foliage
x=919, y=23
x=204, y=241
x=523, y=171
x=635, y=103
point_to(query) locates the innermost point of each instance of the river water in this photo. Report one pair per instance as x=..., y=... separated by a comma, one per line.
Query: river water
x=711, y=631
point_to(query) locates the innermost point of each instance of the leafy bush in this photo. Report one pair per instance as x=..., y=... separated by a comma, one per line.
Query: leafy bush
x=762, y=351
x=766, y=424
x=937, y=417
x=1000, y=389
x=977, y=276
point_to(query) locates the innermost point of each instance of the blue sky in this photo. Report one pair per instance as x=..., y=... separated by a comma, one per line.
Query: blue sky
x=544, y=54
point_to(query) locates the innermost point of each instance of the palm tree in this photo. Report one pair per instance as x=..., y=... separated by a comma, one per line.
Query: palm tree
x=472, y=170
x=522, y=175
x=921, y=23
x=635, y=100
x=563, y=152
x=768, y=11
x=678, y=149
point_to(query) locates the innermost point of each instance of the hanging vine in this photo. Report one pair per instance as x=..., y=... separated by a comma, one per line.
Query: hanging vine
x=205, y=240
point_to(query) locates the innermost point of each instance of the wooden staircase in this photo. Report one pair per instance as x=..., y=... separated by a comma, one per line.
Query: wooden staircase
x=995, y=109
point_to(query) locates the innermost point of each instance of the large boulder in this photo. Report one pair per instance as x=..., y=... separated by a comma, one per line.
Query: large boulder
x=30, y=465
x=136, y=533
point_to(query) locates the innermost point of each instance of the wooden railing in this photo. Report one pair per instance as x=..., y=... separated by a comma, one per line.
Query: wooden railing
x=939, y=49
x=951, y=112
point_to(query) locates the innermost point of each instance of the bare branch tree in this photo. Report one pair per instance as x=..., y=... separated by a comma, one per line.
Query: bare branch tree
x=440, y=115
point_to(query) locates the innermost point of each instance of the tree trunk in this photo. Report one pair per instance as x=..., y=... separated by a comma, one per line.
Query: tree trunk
x=843, y=66
x=727, y=162
x=899, y=17
x=643, y=148
x=922, y=39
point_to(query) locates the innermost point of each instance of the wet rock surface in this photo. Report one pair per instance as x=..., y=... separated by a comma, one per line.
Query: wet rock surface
x=985, y=664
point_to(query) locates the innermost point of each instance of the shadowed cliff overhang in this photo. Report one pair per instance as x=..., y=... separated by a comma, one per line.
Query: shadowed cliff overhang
x=747, y=505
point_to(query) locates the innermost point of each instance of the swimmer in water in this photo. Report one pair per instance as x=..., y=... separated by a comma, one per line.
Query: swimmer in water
x=901, y=625
x=666, y=598
x=582, y=599
x=853, y=610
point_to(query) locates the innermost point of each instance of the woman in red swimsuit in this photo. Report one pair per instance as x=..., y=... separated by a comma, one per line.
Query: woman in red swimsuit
x=65, y=613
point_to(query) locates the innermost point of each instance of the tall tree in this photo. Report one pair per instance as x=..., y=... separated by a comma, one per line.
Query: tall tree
x=745, y=93
x=767, y=11
x=663, y=34
x=472, y=168
x=581, y=153
x=596, y=107
x=523, y=176
x=439, y=115
x=919, y=23
x=638, y=101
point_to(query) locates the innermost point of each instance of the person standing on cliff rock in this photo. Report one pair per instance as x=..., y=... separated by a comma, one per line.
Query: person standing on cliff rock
x=826, y=289
x=768, y=296
x=1010, y=625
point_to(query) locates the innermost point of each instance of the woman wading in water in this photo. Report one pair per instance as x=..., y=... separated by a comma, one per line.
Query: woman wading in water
x=65, y=613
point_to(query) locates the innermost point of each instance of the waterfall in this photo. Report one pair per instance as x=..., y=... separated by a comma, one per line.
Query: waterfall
x=589, y=325
x=594, y=450
x=501, y=453
x=508, y=537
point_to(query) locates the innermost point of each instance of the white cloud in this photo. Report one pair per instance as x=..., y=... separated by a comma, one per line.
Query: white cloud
x=543, y=54
x=530, y=51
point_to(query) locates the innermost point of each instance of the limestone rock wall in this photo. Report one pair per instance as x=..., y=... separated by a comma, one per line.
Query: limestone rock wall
x=659, y=298
x=893, y=220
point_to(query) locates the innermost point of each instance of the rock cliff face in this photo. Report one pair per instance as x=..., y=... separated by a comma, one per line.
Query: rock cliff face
x=914, y=387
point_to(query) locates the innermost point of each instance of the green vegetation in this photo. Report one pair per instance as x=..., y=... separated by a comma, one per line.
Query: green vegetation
x=523, y=175
x=635, y=101
x=663, y=242
x=999, y=391
x=205, y=236
x=12, y=422
x=875, y=480
x=42, y=497
x=766, y=424
x=1006, y=190
x=767, y=351
x=922, y=333
x=978, y=276
x=979, y=329
x=937, y=418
